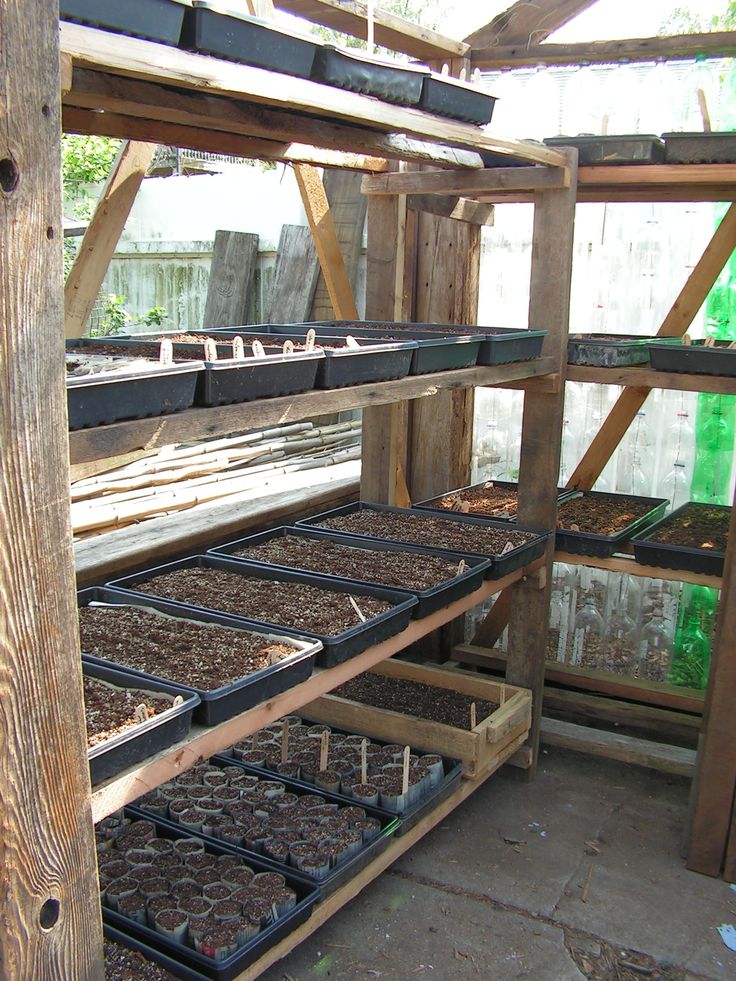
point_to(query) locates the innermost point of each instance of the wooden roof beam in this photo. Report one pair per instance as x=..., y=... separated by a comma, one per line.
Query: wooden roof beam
x=524, y=22
x=717, y=44
x=471, y=183
x=390, y=31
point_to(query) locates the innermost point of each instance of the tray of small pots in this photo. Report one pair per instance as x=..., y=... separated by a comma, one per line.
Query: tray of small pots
x=435, y=577
x=344, y=617
x=129, y=959
x=129, y=719
x=506, y=547
x=368, y=772
x=230, y=668
x=598, y=523
x=497, y=499
x=198, y=902
x=325, y=837
x=693, y=537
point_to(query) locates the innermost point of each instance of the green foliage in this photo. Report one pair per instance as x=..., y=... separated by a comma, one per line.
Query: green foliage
x=683, y=20
x=115, y=318
x=86, y=159
x=154, y=317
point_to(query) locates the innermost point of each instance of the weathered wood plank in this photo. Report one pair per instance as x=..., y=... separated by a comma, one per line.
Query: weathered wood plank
x=50, y=923
x=103, y=233
x=348, y=207
x=232, y=271
x=457, y=208
x=470, y=183
x=524, y=21
x=294, y=277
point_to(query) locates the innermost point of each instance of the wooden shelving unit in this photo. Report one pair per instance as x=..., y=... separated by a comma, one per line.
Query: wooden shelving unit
x=647, y=378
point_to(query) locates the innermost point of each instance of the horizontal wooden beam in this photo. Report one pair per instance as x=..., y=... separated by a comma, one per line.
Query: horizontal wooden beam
x=452, y=206
x=390, y=31
x=132, y=57
x=648, y=378
x=89, y=122
x=468, y=184
x=718, y=44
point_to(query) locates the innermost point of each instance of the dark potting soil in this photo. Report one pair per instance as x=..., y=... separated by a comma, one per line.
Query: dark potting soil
x=414, y=698
x=204, y=657
x=420, y=529
x=289, y=604
x=601, y=515
x=122, y=964
x=109, y=711
x=400, y=569
x=481, y=500
x=150, y=352
x=696, y=526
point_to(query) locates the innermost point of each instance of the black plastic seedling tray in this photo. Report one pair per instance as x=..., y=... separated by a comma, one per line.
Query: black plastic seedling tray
x=694, y=148
x=306, y=892
x=247, y=40
x=430, y=600
x=174, y=967
x=154, y=20
x=500, y=565
x=141, y=741
x=669, y=556
x=602, y=546
x=222, y=703
x=613, y=150
x=391, y=82
x=445, y=96
x=695, y=358
x=431, y=504
x=341, y=873
x=609, y=350
x=336, y=649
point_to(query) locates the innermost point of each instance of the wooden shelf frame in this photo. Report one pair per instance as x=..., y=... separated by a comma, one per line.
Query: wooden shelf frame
x=628, y=565
x=646, y=377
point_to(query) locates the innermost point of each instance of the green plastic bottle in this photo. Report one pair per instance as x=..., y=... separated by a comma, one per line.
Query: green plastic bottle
x=691, y=656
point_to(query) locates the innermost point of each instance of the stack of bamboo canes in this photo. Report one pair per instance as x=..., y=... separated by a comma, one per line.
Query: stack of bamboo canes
x=181, y=477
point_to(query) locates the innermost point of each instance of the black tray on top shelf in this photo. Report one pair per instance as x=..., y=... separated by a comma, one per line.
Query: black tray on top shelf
x=612, y=150
x=669, y=556
x=346, y=366
x=174, y=967
x=336, y=877
x=499, y=345
x=336, y=649
x=307, y=896
x=610, y=350
x=154, y=20
x=358, y=72
x=447, y=96
x=229, y=700
x=430, y=600
x=696, y=148
x=247, y=40
x=696, y=358
x=501, y=565
x=138, y=742
x=431, y=503
x=603, y=546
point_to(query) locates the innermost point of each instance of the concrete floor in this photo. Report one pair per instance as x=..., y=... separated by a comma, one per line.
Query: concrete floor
x=497, y=890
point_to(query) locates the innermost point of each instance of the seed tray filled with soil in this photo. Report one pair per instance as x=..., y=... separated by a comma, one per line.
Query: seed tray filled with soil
x=247, y=40
x=613, y=150
x=256, y=813
x=596, y=523
x=697, y=358
x=609, y=350
x=432, y=777
x=127, y=959
x=129, y=719
x=434, y=577
x=497, y=499
x=446, y=96
x=229, y=667
x=354, y=70
x=507, y=548
x=695, y=148
x=501, y=713
x=693, y=537
x=345, y=618
x=153, y=20
x=151, y=870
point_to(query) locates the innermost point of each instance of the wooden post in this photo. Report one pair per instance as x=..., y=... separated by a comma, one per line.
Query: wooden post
x=549, y=304
x=103, y=234
x=49, y=903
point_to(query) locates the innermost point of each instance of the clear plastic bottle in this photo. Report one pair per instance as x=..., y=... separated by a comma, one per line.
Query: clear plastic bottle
x=676, y=485
x=588, y=635
x=655, y=647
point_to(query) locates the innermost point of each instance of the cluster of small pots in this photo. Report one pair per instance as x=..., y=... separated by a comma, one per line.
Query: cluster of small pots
x=306, y=831
x=384, y=770
x=184, y=891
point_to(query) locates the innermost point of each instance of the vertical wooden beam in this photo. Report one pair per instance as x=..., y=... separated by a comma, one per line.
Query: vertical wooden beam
x=713, y=790
x=49, y=902
x=326, y=241
x=549, y=305
x=103, y=234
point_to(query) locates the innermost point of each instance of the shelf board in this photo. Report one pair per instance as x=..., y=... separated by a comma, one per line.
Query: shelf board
x=658, y=182
x=645, y=377
x=202, y=742
x=191, y=424
x=627, y=564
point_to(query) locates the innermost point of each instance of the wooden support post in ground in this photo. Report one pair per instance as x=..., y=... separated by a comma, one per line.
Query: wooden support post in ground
x=294, y=277
x=103, y=234
x=232, y=271
x=549, y=303
x=50, y=925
